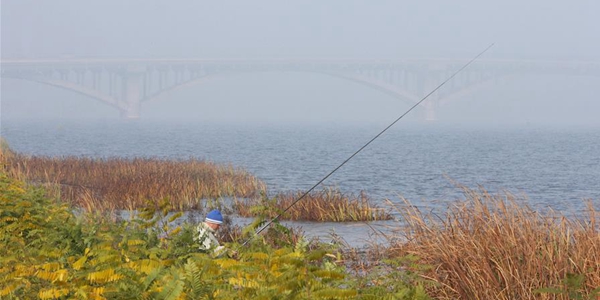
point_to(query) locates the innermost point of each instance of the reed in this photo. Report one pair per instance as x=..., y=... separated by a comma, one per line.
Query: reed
x=119, y=183
x=494, y=246
x=5, y=151
x=327, y=205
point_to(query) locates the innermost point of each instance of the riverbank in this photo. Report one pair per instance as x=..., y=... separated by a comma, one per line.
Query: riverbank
x=489, y=246
x=50, y=253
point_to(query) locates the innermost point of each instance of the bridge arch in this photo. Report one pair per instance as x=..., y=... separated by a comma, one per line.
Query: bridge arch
x=128, y=80
x=472, y=88
x=388, y=89
x=79, y=89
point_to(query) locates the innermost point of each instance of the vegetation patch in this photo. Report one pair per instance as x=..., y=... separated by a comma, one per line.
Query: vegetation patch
x=118, y=183
x=326, y=205
x=487, y=246
x=110, y=184
x=496, y=247
x=48, y=253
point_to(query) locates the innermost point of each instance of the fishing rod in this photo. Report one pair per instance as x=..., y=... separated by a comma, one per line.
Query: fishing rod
x=367, y=144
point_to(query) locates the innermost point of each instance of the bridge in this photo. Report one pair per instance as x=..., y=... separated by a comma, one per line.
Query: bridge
x=126, y=84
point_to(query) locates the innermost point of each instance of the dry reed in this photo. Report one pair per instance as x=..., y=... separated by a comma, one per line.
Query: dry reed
x=118, y=183
x=495, y=247
x=326, y=205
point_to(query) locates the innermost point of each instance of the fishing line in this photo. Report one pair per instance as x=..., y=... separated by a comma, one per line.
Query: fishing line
x=367, y=144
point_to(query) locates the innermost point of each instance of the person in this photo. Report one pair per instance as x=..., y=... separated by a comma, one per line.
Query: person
x=206, y=239
x=206, y=233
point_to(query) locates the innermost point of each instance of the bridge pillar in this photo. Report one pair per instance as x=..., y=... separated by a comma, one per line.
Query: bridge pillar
x=432, y=102
x=132, y=93
x=429, y=110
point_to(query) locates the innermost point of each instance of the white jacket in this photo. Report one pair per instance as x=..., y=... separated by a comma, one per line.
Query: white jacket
x=207, y=240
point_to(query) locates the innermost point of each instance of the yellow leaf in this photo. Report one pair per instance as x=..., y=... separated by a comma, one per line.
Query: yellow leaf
x=9, y=289
x=226, y=262
x=79, y=263
x=175, y=231
x=259, y=256
x=104, y=276
x=52, y=293
x=281, y=251
x=135, y=243
x=50, y=266
x=98, y=291
x=44, y=275
x=61, y=275
x=247, y=283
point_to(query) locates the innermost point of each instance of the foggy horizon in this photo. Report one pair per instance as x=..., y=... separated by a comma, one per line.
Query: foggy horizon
x=383, y=30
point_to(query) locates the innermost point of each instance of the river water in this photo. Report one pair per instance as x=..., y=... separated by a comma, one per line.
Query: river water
x=554, y=168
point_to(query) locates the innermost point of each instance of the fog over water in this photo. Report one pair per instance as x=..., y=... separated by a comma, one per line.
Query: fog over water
x=395, y=30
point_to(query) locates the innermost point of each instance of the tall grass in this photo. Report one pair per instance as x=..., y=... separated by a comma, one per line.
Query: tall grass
x=329, y=204
x=119, y=183
x=96, y=184
x=5, y=151
x=493, y=246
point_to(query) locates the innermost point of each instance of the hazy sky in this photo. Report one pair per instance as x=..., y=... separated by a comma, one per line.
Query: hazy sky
x=309, y=29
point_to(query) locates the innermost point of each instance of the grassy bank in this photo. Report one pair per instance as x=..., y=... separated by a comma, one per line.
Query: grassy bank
x=49, y=253
x=487, y=246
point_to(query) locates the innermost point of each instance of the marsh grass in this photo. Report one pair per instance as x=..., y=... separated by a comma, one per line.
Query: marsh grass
x=494, y=246
x=113, y=184
x=329, y=204
x=119, y=183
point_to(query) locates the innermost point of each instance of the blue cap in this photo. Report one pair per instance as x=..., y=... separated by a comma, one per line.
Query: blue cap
x=214, y=216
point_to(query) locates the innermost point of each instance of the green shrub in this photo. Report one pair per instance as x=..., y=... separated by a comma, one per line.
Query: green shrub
x=50, y=253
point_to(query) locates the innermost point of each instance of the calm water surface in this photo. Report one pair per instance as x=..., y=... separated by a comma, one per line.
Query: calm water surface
x=556, y=168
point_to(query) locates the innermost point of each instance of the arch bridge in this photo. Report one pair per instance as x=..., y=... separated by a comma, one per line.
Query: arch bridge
x=126, y=84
